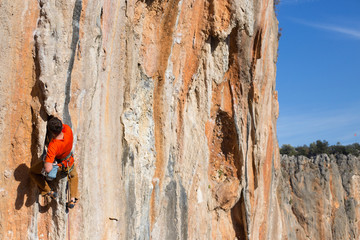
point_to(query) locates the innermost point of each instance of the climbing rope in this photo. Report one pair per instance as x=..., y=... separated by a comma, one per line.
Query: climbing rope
x=68, y=200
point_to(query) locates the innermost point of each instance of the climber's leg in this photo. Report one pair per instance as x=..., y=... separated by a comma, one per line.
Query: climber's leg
x=38, y=178
x=73, y=183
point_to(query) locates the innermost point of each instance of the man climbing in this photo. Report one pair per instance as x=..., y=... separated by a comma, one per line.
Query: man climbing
x=59, y=150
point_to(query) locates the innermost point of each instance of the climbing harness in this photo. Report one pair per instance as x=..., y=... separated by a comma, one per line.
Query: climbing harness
x=66, y=167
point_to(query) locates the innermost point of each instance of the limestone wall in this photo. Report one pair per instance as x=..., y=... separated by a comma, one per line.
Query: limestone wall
x=173, y=108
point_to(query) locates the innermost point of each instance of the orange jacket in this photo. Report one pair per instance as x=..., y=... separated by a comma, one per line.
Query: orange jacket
x=61, y=148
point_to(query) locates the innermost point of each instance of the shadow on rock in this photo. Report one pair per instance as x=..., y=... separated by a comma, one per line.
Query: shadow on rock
x=46, y=204
x=21, y=174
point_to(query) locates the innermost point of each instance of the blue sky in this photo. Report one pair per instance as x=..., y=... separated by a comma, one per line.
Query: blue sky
x=318, y=71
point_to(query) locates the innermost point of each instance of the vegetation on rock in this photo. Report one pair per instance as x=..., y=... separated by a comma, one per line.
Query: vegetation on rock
x=320, y=147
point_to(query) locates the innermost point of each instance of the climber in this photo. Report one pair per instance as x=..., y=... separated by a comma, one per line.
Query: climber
x=58, y=155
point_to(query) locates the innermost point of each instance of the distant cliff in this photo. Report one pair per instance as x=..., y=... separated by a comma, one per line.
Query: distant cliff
x=320, y=197
x=173, y=107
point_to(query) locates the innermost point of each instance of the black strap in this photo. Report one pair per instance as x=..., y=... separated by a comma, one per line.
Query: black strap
x=65, y=158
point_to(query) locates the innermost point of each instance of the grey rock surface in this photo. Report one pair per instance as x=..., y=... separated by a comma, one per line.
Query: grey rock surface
x=320, y=196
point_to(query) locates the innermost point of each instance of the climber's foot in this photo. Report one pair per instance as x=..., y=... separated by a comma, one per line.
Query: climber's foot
x=52, y=194
x=72, y=203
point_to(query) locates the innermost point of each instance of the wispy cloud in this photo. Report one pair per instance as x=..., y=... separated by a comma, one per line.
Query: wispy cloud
x=355, y=33
x=333, y=126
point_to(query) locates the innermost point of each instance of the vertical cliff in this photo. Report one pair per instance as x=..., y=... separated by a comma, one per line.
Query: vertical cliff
x=173, y=107
x=320, y=197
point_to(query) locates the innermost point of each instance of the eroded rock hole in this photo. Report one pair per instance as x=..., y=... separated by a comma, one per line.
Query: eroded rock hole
x=256, y=51
x=149, y=2
x=238, y=216
x=101, y=15
x=257, y=45
x=225, y=158
x=214, y=42
x=232, y=41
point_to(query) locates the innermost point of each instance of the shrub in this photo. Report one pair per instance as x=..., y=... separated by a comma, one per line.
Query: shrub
x=351, y=149
x=304, y=150
x=287, y=149
x=337, y=149
x=320, y=147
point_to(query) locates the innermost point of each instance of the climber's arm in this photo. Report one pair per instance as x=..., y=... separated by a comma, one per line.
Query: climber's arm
x=50, y=157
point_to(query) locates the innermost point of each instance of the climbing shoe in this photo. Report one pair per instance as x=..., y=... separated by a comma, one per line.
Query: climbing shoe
x=71, y=204
x=52, y=194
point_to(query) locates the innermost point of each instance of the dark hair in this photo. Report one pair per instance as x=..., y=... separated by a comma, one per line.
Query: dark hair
x=54, y=126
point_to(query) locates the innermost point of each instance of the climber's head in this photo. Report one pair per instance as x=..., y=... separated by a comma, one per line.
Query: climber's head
x=54, y=126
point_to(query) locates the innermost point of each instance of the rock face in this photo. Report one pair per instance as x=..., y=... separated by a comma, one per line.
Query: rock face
x=173, y=108
x=320, y=197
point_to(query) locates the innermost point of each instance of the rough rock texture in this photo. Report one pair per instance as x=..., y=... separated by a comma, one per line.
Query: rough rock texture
x=173, y=107
x=320, y=197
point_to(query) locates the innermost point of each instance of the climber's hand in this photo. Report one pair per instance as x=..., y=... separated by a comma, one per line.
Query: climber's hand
x=48, y=167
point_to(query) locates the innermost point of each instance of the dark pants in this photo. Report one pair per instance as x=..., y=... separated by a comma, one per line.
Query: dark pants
x=40, y=181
